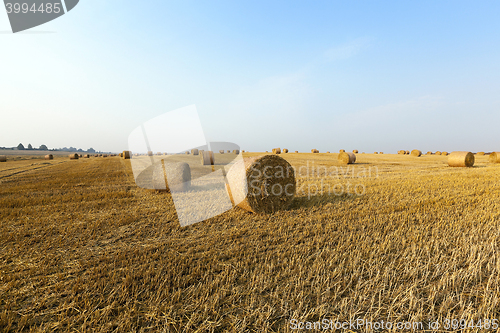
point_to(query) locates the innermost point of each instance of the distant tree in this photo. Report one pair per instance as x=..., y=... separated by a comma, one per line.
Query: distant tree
x=20, y=146
x=30, y=147
x=43, y=147
x=80, y=150
x=91, y=150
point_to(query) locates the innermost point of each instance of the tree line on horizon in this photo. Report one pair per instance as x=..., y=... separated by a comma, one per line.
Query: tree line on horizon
x=45, y=148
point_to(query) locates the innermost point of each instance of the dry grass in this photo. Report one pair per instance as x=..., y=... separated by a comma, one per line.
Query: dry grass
x=84, y=250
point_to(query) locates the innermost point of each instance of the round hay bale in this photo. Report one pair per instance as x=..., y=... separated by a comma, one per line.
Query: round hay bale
x=328, y=152
x=263, y=184
x=236, y=151
x=3, y=158
x=407, y=152
x=221, y=151
x=285, y=151
x=381, y=152
x=150, y=153
x=228, y=151
x=461, y=159
x=401, y=152
x=104, y=155
x=86, y=156
x=187, y=153
x=195, y=151
x=276, y=150
x=341, y=151
x=438, y=153
x=355, y=151
x=416, y=153
x=481, y=153
x=49, y=157
x=74, y=156
x=314, y=151
x=347, y=158
x=444, y=153
x=296, y=152
x=127, y=154
x=207, y=158
x=178, y=176
x=376, y=153
x=495, y=157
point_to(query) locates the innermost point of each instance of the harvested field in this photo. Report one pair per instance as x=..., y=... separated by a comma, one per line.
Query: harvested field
x=84, y=249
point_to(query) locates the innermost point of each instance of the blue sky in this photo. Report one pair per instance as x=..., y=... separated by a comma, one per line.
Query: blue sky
x=328, y=75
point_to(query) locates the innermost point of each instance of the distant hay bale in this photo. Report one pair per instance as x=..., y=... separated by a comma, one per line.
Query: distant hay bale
x=236, y=151
x=47, y=157
x=481, y=153
x=127, y=154
x=187, y=153
x=104, y=155
x=314, y=151
x=261, y=184
x=221, y=151
x=158, y=153
x=461, y=159
x=401, y=152
x=495, y=157
x=195, y=151
x=355, y=151
x=407, y=152
x=341, y=151
x=242, y=151
x=285, y=151
x=207, y=158
x=428, y=153
x=376, y=153
x=79, y=155
x=74, y=156
x=150, y=153
x=3, y=158
x=120, y=154
x=438, y=153
x=416, y=153
x=347, y=158
x=381, y=152
x=228, y=151
x=444, y=153
x=296, y=152
x=276, y=150
x=328, y=152
x=86, y=156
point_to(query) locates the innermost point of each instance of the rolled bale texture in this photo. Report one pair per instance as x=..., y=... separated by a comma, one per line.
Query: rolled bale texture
x=314, y=151
x=73, y=156
x=187, y=153
x=207, y=158
x=104, y=155
x=276, y=150
x=438, y=153
x=236, y=151
x=347, y=158
x=195, y=151
x=481, y=153
x=221, y=151
x=150, y=153
x=495, y=157
x=355, y=151
x=407, y=152
x=342, y=151
x=416, y=153
x=429, y=153
x=261, y=184
x=178, y=176
x=461, y=159
x=285, y=151
x=296, y=152
x=376, y=153
x=127, y=154
x=3, y=158
x=49, y=157
x=444, y=153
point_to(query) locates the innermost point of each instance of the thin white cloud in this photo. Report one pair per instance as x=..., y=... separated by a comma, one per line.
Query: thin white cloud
x=347, y=50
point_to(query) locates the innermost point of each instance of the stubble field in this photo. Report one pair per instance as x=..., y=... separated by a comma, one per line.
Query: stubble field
x=83, y=249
